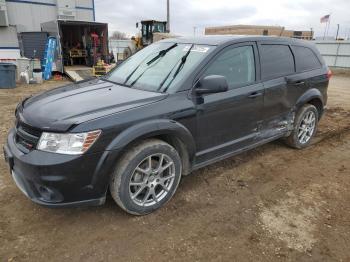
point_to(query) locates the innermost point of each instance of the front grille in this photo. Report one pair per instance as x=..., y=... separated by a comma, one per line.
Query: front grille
x=27, y=137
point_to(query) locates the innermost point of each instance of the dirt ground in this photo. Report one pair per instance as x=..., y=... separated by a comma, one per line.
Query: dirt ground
x=270, y=204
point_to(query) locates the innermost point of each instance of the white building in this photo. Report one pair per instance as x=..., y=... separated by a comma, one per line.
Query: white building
x=121, y=49
x=17, y=16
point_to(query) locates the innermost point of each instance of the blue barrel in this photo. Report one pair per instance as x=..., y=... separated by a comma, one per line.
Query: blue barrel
x=7, y=75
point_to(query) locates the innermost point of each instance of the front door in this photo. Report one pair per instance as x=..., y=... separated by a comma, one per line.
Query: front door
x=229, y=121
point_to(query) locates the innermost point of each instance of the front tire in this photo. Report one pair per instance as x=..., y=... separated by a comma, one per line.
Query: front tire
x=146, y=177
x=305, y=127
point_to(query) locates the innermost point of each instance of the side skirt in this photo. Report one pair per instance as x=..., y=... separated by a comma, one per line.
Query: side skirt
x=236, y=152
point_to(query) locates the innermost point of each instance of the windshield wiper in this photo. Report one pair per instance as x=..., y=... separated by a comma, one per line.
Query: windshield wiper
x=161, y=54
x=133, y=71
x=178, y=69
x=149, y=63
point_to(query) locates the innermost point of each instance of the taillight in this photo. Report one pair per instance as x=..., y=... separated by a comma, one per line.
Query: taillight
x=329, y=74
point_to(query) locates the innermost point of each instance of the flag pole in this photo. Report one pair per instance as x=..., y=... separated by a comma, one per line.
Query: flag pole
x=326, y=25
x=329, y=23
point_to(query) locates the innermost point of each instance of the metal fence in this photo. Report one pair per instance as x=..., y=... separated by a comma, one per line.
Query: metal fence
x=335, y=53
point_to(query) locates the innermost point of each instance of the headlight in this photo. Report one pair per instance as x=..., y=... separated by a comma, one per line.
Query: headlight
x=70, y=144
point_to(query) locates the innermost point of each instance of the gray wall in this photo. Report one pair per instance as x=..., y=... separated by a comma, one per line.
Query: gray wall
x=8, y=37
x=335, y=53
x=9, y=47
x=28, y=15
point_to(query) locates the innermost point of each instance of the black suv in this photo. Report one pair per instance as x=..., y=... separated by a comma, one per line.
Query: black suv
x=171, y=108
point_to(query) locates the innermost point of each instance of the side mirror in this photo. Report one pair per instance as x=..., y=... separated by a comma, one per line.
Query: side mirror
x=211, y=84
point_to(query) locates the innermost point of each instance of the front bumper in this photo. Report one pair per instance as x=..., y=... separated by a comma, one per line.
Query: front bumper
x=57, y=180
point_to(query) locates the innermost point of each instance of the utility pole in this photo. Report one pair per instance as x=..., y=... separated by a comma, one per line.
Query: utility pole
x=168, y=16
x=312, y=33
x=336, y=38
x=194, y=30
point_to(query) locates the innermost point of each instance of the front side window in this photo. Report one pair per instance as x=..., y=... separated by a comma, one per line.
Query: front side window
x=276, y=61
x=236, y=64
x=160, y=66
x=305, y=59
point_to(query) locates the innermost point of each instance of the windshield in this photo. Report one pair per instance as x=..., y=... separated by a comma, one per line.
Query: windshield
x=159, y=66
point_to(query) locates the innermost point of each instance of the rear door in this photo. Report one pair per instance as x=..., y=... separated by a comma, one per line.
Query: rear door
x=277, y=66
x=309, y=73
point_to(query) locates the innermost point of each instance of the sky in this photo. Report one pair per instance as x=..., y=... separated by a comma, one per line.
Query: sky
x=185, y=15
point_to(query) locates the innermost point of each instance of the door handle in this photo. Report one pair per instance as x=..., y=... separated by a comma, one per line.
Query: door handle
x=255, y=94
x=298, y=83
x=294, y=82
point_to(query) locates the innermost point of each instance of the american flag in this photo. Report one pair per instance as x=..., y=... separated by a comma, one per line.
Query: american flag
x=325, y=19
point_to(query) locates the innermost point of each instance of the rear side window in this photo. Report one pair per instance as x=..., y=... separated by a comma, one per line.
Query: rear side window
x=236, y=64
x=305, y=59
x=276, y=61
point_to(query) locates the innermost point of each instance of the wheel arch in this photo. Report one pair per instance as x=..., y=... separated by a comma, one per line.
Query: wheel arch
x=169, y=131
x=313, y=97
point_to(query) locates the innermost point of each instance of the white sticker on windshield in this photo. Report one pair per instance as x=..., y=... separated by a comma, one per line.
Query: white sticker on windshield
x=200, y=49
x=196, y=48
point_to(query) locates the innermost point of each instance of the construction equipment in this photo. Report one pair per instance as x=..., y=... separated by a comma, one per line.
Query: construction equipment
x=151, y=28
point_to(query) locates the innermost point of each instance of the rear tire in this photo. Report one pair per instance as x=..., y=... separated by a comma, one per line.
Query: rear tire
x=305, y=127
x=146, y=177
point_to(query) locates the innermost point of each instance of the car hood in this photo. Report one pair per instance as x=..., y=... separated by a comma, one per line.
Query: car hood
x=61, y=108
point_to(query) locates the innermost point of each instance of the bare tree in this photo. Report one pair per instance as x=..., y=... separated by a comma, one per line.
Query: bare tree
x=117, y=35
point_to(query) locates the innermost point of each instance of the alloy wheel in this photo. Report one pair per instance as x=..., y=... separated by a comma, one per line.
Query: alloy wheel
x=152, y=180
x=307, y=127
